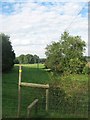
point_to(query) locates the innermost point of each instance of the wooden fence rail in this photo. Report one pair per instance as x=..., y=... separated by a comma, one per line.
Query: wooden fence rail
x=34, y=85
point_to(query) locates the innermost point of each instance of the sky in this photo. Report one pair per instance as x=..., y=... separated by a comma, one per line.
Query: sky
x=32, y=24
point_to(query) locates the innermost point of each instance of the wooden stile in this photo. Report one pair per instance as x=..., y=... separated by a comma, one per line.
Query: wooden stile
x=33, y=85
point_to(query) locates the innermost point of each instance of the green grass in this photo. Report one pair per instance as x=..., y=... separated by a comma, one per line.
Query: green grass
x=30, y=73
x=69, y=100
x=9, y=93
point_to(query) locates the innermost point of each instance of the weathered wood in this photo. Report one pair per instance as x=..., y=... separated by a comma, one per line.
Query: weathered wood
x=19, y=91
x=34, y=103
x=20, y=74
x=34, y=85
x=36, y=108
x=47, y=97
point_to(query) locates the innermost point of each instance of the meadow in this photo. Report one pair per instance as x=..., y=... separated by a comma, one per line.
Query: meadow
x=68, y=95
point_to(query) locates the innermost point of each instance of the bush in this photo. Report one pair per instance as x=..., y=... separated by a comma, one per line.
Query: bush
x=86, y=70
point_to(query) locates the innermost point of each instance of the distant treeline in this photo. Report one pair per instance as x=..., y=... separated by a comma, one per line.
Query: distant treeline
x=29, y=59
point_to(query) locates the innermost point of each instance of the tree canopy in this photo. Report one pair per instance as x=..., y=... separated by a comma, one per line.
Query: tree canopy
x=28, y=59
x=66, y=55
x=8, y=54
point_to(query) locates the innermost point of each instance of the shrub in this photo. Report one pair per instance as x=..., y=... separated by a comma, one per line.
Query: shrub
x=86, y=70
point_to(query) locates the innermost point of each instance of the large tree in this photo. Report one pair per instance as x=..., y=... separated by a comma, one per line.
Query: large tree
x=8, y=54
x=66, y=55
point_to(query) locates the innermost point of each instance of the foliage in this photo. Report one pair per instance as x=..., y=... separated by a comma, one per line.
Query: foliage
x=42, y=60
x=75, y=87
x=28, y=59
x=66, y=55
x=16, y=61
x=86, y=70
x=8, y=54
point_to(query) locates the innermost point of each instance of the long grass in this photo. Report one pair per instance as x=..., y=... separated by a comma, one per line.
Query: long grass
x=69, y=100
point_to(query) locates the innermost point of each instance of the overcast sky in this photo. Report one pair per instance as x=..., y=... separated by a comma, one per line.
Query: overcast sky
x=32, y=24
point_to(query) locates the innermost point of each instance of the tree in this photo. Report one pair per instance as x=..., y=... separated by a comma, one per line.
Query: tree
x=8, y=54
x=21, y=59
x=42, y=60
x=16, y=61
x=28, y=59
x=66, y=55
x=36, y=59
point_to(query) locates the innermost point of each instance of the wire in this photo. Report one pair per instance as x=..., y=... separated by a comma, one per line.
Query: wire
x=80, y=10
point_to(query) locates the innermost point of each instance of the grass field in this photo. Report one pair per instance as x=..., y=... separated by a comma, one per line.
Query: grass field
x=69, y=100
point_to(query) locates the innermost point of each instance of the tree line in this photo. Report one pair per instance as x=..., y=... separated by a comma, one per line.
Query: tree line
x=28, y=59
x=9, y=58
x=64, y=56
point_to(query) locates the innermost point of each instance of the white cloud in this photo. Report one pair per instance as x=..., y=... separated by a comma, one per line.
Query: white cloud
x=59, y=0
x=37, y=24
x=44, y=0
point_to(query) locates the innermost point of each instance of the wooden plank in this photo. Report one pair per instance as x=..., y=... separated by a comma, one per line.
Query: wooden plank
x=47, y=97
x=34, y=85
x=34, y=103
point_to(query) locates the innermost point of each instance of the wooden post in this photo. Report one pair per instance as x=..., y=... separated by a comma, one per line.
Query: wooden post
x=20, y=74
x=19, y=91
x=28, y=113
x=36, y=108
x=34, y=103
x=47, y=96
